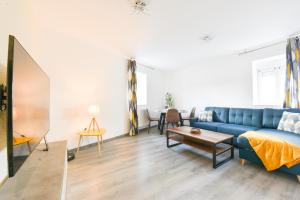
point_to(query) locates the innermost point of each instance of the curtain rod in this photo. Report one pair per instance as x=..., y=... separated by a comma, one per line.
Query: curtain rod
x=151, y=68
x=146, y=66
x=246, y=51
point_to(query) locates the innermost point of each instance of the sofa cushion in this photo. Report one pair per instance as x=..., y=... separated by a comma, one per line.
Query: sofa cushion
x=235, y=129
x=220, y=114
x=290, y=122
x=206, y=116
x=212, y=126
x=247, y=117
x=288, y=136
x=271, y=116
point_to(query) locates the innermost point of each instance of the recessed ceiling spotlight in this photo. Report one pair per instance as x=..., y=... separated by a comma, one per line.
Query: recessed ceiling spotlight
x=207, y=37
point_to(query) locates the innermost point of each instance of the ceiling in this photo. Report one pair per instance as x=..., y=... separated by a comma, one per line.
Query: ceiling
x=169, y=34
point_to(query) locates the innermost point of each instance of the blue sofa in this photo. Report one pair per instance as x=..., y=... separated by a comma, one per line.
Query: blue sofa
x=236, y=121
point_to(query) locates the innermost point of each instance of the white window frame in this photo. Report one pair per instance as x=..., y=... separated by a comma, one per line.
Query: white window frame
x=141, y=86
x=273, y=65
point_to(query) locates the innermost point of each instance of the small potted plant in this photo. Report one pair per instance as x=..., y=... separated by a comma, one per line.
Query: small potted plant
x=169, y=100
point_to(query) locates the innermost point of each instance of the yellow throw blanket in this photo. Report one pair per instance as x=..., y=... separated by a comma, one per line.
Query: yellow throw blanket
x=273, y=151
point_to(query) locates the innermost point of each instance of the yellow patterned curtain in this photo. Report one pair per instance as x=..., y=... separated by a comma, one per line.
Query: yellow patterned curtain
x=133, y=117
x=292, y=83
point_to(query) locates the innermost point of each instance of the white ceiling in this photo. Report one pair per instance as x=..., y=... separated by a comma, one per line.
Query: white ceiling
x=169, y=35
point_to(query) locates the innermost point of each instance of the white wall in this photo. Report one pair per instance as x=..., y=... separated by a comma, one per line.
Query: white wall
x=96, y=75
x=220, y=81
x=81, y=75
x=82, y=70
x=82, y=62
x=3, y=165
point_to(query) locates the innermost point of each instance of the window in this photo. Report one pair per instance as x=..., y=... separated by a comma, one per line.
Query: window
x=268, y=81
x=141, y=92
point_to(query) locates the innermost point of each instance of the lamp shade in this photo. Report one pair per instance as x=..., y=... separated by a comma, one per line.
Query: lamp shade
x=93, y=109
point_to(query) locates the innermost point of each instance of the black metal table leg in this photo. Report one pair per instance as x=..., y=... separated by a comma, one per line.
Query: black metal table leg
x=159, y=122
x=162, y=123
x=168, y=141
x=232, y=149
x=215, y=154
x=167, y=135
x=180, y=119
x=214, y=157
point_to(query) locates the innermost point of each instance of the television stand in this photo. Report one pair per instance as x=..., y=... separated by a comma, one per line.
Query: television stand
x=42, y=176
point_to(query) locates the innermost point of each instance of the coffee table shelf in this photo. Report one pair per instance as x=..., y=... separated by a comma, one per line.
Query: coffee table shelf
x=221, y=148
x=208, y=141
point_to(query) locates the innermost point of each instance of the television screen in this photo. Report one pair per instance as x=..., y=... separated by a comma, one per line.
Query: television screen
x=28, y=91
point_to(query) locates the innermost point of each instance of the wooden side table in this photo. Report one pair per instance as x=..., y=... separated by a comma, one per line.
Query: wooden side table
x=96, y=133
x=23, y=140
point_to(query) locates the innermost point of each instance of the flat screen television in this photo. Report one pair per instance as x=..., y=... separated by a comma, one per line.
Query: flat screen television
x=28, y=99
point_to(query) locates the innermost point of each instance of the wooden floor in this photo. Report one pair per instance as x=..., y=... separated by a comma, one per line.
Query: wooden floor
x=142, y=167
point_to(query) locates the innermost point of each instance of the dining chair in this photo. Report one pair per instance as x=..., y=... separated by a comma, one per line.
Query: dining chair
x=150, y=119
x=172, y=117
x=191, y=116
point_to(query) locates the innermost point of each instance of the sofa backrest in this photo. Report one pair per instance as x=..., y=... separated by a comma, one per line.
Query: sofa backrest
x=246, y=116
x=271, y=116
x=220, y=114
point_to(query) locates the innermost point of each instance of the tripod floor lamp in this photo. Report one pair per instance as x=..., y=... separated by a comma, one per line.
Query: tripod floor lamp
x=93, y=129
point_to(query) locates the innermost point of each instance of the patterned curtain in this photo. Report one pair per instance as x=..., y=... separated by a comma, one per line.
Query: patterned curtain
x=292, y=83
x=133, y=117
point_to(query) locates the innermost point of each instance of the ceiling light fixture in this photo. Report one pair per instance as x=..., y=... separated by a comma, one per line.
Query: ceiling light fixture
x=140, y=5
x=207, y=38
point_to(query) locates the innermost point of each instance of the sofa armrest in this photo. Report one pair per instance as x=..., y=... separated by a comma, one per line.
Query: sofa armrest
x=193, y=120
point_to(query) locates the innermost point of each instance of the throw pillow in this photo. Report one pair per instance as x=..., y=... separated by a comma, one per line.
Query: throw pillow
x=206, y=116
x=290, y=122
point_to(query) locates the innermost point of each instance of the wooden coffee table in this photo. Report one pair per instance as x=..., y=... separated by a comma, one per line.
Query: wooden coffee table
x=209, y=141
